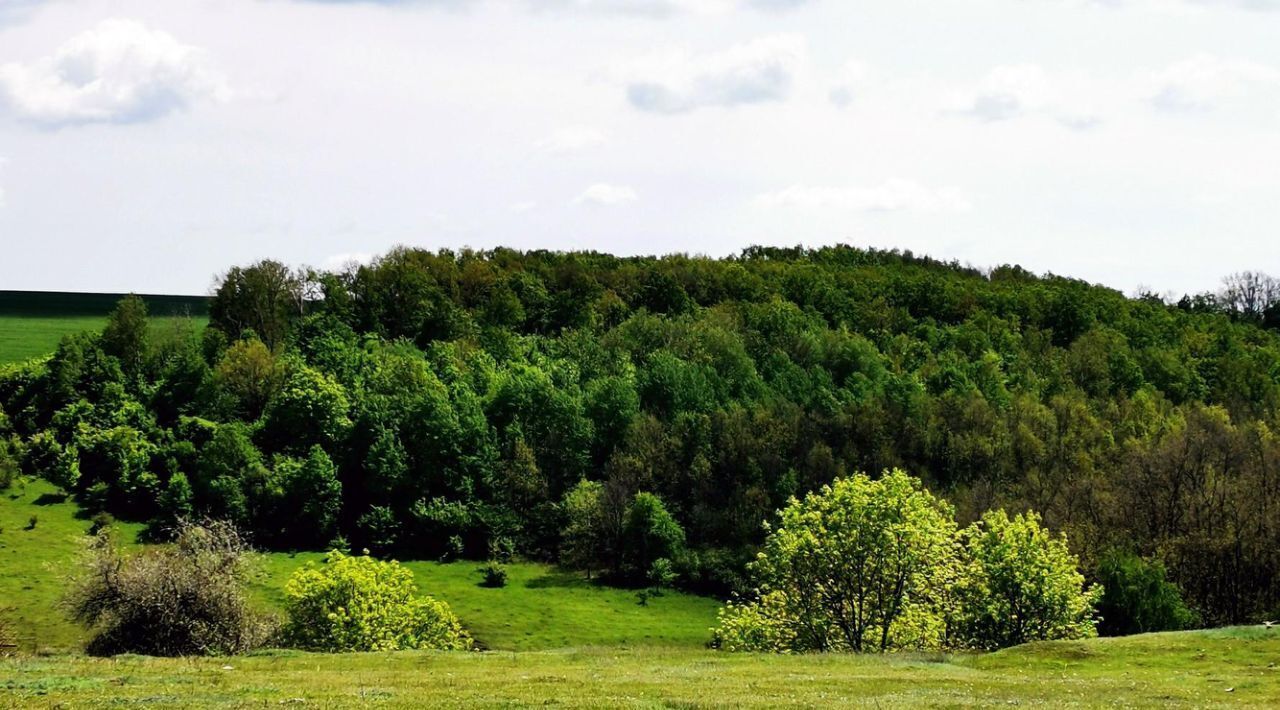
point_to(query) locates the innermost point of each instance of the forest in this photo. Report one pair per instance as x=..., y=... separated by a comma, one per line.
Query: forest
x=619, y=416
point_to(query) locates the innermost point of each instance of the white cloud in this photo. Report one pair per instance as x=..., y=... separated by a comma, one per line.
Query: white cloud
x=1015, y=91
x=892, y=196
x=605, y=195
x=854, y=77
x=117, y=72
x=1204, y=81
x=525, y=206
x=759, y=71
x=571, y=140
x=660, y=8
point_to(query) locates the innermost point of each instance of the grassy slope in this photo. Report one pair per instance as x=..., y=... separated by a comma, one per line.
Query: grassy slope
x=540, y=608
x=622, y=654
x=1193, y=669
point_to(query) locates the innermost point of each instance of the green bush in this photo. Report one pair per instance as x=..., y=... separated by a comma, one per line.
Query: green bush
x=494, y=574
x=363, y=604
x=1137, y=598
x=1020, y=583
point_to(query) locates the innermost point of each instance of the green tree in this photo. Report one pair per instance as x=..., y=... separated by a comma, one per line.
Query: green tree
x=649, y=533
x=1021, y=583
x=309, y=409
x=1137, y=599
x=363, y=604
x=860, y=565
x=581, y=545
x=126, y=333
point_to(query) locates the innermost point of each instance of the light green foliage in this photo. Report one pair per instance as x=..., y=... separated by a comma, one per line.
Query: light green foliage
x=310, y=408
x=860, y=565
x=363, y=604
x=582, y=544
x=248, y=375
x=1021, y=583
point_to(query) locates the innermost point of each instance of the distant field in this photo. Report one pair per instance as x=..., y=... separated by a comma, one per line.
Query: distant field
x=540, y=608
x=32, y=323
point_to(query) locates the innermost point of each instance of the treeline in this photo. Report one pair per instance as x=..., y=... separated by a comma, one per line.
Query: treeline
x=613, y=412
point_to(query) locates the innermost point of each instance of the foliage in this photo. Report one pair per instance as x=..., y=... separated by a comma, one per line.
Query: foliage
x=184, y=599
x=363, y=604
x=861, y=565
x=125, y=335
x=650, y=535
x=463, y=395
x=1137, y=598
x=493, y=574
x=1020, y=584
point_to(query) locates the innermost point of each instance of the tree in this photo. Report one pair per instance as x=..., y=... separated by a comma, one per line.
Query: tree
x=860, y=565
x=363, y=604
x=1137, y=599
x=310, y=499
x=249, y=376
x=649, y=534
x=1020, y=584
x=177, y=600
x=125, y=335
x=264, y=297
x=583, y=539
x=1249, y=294
x=310, y=408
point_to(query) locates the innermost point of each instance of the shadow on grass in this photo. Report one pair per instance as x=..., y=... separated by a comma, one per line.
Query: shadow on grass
x=560, y=579
x=51, y=499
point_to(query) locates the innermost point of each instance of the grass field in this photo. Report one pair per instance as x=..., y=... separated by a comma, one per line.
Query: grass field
x=540, y=608
x=1187, y=670
x=32, y=323
x=25, y=337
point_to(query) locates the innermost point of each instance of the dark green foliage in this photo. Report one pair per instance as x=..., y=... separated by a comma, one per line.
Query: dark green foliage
x=649, y=534
x=462, y=396
x=493, y=574
x=1138, y=599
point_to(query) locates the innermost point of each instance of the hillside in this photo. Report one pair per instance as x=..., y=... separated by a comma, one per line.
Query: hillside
x=540, y=608
x=452, y=402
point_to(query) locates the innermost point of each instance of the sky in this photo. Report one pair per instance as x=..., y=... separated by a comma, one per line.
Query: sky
x=146, y=145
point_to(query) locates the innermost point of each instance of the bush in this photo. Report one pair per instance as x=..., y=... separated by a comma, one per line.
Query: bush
x=178, y=600
x=1020, y=584
x=100, y=521
x=494, y=574
x=1137, y=598
x=363, y=604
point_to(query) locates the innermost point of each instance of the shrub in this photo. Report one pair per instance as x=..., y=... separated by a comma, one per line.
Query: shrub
x=32, y=522
x=100, y=521
x=363, y=604
x=494, y=574
x=1020, y=584
x=183, y=599
x=1136, y=598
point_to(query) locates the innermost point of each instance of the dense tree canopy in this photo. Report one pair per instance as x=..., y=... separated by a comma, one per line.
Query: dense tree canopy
x=428, y=403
